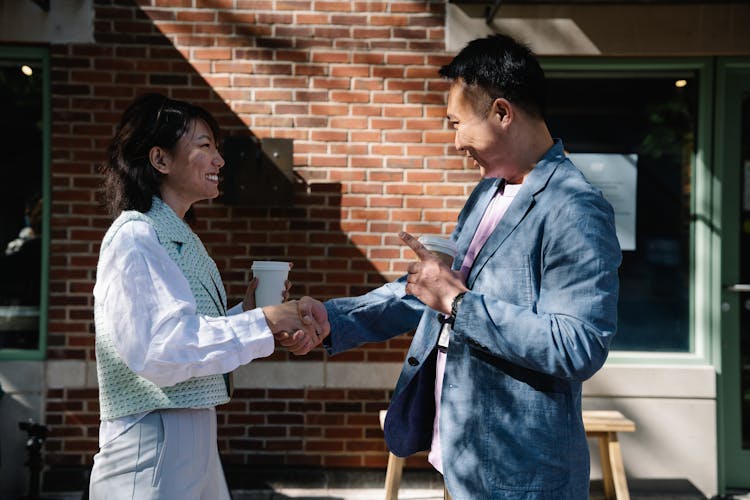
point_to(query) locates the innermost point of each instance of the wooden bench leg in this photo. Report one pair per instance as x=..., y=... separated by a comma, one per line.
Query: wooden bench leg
x=393, y=476
x=613, y=469
x=618, y=468
x=609, y=489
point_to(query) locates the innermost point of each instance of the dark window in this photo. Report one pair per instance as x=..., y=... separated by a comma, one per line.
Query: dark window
x=21, y=196
x=653, y=117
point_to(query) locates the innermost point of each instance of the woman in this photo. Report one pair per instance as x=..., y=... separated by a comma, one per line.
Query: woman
x=163, y=334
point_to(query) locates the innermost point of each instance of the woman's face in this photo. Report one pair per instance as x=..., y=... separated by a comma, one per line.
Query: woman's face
x=193, y=169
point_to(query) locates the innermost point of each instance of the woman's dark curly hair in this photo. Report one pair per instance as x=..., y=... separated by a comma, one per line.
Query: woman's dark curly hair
x=152, y=120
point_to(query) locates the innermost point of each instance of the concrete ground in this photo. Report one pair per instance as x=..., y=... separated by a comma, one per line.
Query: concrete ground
x=335, y=494
x=636, y=493
x=648, y=490
x=332, y=484
x=639, y=490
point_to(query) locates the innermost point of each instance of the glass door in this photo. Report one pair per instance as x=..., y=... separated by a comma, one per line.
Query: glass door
x=733, y=163
x=634, y=127
x=24, y=200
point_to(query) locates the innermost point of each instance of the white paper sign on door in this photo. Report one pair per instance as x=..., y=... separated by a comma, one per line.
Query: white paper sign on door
x=616, y=176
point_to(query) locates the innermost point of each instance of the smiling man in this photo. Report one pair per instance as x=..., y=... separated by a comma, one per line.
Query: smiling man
x=527, y=313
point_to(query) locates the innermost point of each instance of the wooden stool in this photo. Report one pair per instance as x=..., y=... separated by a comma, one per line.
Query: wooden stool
x=394, y=470
x=603, y=425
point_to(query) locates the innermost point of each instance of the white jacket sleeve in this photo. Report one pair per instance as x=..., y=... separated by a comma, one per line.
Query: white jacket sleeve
x=148, y=307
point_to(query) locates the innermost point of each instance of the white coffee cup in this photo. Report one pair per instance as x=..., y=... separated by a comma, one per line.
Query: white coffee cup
x=271, y=277
x=443, y=248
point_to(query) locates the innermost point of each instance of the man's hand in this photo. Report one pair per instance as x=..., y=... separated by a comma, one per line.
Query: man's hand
x=313, y=312
x=298, y=343
x=429, y=279
x=299, y=326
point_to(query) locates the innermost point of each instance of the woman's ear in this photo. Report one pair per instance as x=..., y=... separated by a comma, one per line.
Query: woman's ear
x=159, y=159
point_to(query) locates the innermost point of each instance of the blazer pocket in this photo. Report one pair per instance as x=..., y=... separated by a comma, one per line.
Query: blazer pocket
x=531, y=441
x=507, y=279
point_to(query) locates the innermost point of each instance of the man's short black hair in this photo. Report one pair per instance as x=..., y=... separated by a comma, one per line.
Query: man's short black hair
x=501, y=67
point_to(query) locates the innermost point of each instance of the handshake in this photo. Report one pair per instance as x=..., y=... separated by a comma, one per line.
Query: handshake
x=298, y=325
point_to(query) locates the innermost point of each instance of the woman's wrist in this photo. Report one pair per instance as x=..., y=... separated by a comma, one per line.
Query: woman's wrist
x=282, y=317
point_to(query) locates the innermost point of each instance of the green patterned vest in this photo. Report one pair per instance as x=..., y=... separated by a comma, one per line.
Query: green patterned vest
x=121, y=391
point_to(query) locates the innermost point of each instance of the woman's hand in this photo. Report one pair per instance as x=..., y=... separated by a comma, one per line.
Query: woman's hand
x=299, y=326
x=248, y=302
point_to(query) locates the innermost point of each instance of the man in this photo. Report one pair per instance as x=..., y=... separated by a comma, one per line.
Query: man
x=530, y=305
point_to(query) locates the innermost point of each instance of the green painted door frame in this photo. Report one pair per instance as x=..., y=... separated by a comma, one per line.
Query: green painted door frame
x=703, y=338
x=38, y=56
x=715, y=234
x=732, y=86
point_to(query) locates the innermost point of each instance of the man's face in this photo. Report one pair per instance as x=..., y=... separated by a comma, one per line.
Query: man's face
x=477, y=133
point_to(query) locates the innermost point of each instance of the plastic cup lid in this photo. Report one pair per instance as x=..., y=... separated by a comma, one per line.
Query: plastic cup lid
x=438, y=244
x=270, y=265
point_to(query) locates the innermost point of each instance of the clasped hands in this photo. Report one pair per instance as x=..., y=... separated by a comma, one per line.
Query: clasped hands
x=301, y=325
x=297, y=325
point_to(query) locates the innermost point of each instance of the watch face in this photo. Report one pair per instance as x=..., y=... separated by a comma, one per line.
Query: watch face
x=456, y=302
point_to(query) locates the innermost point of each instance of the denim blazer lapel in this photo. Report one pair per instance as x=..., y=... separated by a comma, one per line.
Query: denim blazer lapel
x=473, y=218
x=523, y=202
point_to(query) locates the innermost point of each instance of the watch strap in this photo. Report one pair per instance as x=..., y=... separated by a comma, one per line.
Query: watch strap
x=455, y=305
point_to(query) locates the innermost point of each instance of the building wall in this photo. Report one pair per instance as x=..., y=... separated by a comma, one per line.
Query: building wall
x=22, y=383
x=69, y=21
x=672, y=397
x=354, y=84
x=614, y=29
x=674, y=409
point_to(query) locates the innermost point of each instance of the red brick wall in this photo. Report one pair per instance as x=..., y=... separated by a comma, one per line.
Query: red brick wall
x=355, y=84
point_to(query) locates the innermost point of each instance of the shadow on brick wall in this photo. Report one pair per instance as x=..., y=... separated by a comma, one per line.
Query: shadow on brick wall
x=91, y=86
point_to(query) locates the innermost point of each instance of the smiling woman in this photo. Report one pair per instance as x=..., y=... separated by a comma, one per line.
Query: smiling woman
x=164, y=335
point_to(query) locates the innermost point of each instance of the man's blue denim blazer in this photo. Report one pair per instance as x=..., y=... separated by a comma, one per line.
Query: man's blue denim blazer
x=537, y=322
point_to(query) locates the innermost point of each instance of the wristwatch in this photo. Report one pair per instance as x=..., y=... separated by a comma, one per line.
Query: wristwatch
x=454, y=307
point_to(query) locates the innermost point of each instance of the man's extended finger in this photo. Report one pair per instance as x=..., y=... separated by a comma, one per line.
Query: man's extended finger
x=415, y=245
